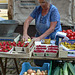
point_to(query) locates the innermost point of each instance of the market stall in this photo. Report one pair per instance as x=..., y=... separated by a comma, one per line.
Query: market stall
x=32, y=51
x=47, y=49
x=19, y=54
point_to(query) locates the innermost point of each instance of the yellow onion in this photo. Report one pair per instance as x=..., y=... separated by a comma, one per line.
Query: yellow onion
x=30, y=71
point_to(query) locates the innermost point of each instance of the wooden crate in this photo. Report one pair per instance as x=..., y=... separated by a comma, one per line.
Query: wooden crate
x=65, y=54
x=27, y=50
x=62, y=53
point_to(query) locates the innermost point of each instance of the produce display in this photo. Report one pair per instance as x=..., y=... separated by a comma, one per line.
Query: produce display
x=52, y=51
x=68, y=45
x=70, y=34
x=6, y=46
x=21, y=44
x=27, y=69
x=45, y=50
x=38, y=72
x=64, y=69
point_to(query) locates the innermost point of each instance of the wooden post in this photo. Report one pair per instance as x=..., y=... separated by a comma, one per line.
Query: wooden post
x=10, y=9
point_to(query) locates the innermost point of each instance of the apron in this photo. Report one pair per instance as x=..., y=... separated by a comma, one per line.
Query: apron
x=43, y=24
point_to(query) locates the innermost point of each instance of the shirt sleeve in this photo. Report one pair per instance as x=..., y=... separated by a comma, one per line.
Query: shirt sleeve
x=55, y=16
x=33, y=14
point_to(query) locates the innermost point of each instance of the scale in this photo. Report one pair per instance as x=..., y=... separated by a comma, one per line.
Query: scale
x=7, y=28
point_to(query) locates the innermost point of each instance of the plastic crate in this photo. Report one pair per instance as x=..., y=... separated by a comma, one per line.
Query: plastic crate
x=46, y=66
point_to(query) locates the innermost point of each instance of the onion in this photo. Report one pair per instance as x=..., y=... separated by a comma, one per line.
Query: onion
x=25, y=73
x=30, y=71
x=34, y=71
x=38, y=71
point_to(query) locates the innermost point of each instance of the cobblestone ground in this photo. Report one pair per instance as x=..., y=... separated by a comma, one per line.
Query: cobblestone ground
x=11, y=68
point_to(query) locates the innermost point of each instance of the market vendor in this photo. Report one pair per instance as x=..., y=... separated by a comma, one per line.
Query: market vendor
x=47, y=21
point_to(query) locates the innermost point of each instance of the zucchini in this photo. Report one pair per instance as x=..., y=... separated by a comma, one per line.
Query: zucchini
x=71, y=68
x=56, y=72
x=61, y=71
x=65, y=70
x=74, y=66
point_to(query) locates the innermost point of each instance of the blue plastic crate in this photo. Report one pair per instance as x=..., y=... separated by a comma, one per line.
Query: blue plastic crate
x=26, y=66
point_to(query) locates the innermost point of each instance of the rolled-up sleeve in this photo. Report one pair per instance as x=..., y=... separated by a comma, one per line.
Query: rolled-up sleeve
x=33, y=14
x=55, y=16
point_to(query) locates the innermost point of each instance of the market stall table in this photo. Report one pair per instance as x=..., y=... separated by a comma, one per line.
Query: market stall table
x=22, y=55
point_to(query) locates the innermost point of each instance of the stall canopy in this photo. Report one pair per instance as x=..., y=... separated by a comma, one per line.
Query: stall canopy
x=22, y=9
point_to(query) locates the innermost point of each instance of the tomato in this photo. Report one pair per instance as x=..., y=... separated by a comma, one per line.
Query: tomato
x=72, y=38
x=69, y=35
x=64, y=31
x=74, y=33
x=68, y=31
